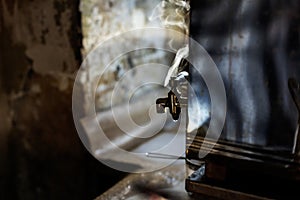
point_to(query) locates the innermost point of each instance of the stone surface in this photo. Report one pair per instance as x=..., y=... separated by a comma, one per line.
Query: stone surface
x=167, y=183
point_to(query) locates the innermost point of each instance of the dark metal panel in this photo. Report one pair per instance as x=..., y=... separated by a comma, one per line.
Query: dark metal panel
x=256, y=46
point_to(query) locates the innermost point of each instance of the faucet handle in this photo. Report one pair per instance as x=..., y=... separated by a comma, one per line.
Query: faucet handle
x=170, y=102
x=177, y=96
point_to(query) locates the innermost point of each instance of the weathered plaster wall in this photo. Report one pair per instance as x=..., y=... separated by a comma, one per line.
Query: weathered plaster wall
x=40, y=51
x=102, y=19
x=41, y=155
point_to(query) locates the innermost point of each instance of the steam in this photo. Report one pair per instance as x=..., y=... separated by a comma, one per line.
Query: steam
x=174, y=14
x=173, y=71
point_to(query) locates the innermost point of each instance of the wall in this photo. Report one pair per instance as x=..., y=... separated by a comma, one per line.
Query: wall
x=41, y=154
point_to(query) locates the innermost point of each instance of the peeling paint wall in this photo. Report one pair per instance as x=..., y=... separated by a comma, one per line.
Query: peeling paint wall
x=102, y=19
x=41, y=155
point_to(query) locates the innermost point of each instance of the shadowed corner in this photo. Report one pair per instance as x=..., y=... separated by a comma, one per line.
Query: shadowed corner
x=126, y=166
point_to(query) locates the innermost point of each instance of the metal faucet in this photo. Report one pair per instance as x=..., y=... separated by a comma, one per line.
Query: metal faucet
x=177, y=96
